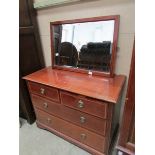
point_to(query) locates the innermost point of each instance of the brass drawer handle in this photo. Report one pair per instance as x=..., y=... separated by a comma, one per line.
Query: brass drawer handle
x=80, y=104
x=45, y=105
x=42, y=91
x=82, y=119
x=48, y=120
x=83, y=136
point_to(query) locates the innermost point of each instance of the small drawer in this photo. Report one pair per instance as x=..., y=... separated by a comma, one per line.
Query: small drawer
x=46, y=104
x=45, y=91
x=82, y=135
x=91, y=106
x=87, y=121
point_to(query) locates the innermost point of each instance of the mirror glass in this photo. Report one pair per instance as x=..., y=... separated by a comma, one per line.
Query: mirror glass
x=85, y=45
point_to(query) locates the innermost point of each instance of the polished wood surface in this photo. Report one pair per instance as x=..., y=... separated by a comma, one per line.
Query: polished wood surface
x=84, y=120
x=45, y=91
x=80, y=134
x=76, y=106
x=105, y=89
x=93, y=19
x=126, y=141
x=90, y=106
x=83, y=20
x=73, y=101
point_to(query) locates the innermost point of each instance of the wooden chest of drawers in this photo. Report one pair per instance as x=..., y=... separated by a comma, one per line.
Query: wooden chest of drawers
x=81, y=114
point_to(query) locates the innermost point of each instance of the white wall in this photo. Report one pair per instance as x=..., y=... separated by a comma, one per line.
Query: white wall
x=124, y=8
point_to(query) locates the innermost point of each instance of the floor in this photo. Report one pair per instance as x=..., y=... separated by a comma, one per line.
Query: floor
x=35, y=141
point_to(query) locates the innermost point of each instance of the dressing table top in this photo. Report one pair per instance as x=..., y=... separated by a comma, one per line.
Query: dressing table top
x=102, y=88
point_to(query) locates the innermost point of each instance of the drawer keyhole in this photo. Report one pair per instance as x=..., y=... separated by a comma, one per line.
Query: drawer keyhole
x=80, y=104
x=42, y=91
x=82, y=119
x=45, y=105
x=83, y=136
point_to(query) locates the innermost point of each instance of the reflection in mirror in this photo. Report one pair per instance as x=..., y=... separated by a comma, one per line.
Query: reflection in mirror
x=84, y=45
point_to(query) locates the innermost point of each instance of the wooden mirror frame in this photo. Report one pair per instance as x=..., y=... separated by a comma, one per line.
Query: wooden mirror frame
x=93, y=19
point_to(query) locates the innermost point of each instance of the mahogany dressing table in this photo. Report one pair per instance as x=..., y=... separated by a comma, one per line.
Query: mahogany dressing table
x=76, y=99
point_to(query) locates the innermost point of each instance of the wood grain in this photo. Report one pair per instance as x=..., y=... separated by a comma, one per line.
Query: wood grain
x=49, y=92
x=30, y=55
x=92, y=123
x=101, y=88
x=90, y=106
x=90, y=138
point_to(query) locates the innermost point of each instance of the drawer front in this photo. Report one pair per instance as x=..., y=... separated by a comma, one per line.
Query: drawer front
x=45, y=91
x=87, y=121
x=84, y=136
x=90, y=106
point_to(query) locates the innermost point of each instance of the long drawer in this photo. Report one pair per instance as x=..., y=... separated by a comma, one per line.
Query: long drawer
x=90, y=106
x=87, y=121
x=45, y=91
x=80, y=134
